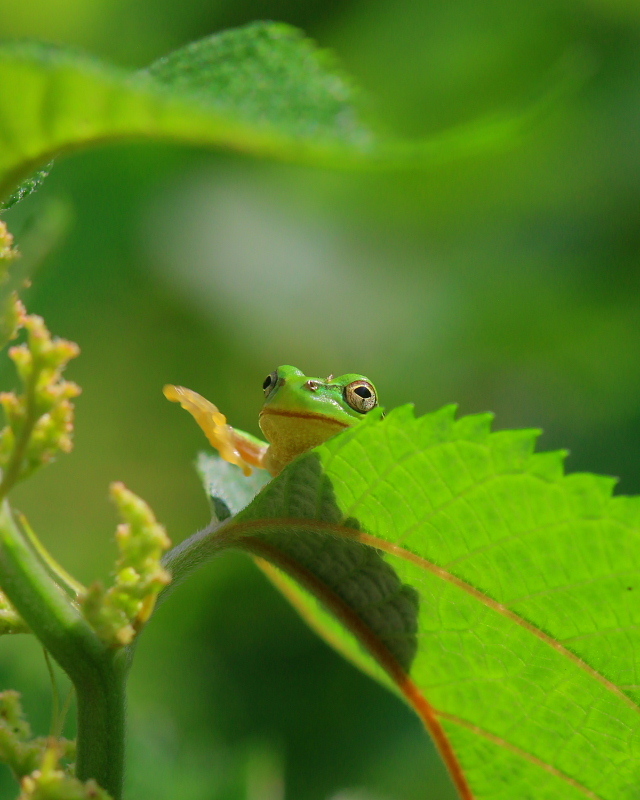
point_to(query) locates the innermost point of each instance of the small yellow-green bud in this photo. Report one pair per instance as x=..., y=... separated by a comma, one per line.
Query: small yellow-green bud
x=127, y=577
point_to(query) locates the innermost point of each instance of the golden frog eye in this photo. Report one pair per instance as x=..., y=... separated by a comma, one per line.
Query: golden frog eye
x=270, y=383
x=361, y=396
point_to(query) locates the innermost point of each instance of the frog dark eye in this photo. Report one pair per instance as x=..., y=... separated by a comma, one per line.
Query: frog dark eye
x=270, y=383
x=361, y=396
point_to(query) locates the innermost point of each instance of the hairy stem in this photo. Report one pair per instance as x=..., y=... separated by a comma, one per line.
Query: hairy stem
x=189, y=555
x=98, y=675
x=101, y=725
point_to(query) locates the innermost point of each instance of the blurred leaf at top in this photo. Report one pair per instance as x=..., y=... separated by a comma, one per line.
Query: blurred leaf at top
x=262, y=89
x=270, y=75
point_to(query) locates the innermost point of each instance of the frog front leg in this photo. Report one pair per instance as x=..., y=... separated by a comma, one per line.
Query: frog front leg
x=236, y=447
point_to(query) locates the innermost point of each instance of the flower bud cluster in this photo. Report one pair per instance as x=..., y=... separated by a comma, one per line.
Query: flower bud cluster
x=119, y=612
x=49, y=782
x=22, y=753
x=39, y=421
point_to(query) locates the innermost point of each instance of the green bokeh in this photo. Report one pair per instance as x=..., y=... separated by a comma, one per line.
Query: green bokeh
x=508, y=282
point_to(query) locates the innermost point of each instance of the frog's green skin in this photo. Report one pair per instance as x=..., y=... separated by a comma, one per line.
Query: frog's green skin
x=299, y=413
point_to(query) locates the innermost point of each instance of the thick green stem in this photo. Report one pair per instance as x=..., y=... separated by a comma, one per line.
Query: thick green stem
x=97, y=673
x=101, y=727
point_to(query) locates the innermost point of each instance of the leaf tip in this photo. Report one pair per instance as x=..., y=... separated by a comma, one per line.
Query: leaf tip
x=474, y=427
x=591, y=494
x=548, y=465
x=513, y=449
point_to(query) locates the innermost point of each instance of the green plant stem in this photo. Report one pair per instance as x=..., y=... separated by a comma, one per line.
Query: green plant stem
x=189, y=555
x=97, y=672
x=101, y=725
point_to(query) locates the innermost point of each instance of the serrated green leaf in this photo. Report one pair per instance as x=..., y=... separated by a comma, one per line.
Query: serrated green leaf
x=263, y=89
x=498, y=594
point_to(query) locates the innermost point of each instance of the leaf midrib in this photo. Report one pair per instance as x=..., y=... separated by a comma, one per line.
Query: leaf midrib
x=500, y=608
x=265, y=525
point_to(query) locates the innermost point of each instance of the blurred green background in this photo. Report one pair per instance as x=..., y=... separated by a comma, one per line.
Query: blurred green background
x=505, y=282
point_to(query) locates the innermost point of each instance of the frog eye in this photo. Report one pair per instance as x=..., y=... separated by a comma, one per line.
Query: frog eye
x=361, y=396
x=270, y=383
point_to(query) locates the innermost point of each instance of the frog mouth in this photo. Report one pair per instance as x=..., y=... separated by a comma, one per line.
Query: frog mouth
x=304, y=415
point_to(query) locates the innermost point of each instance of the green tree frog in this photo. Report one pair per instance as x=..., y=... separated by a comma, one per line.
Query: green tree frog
x=298, y=413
